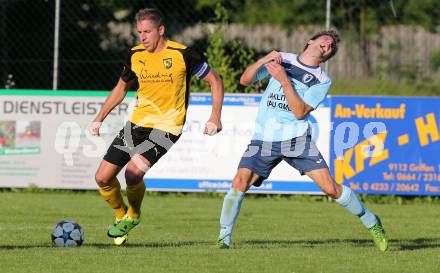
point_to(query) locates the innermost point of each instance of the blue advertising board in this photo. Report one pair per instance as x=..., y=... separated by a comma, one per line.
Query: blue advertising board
x=386, y=145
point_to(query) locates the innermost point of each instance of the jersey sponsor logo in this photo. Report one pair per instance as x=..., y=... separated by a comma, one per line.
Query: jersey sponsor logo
x=300, y=74
x=168, y=63
x=307, y=78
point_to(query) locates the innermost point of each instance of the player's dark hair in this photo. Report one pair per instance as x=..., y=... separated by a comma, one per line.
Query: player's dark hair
x=152, y=14
x=336, y=39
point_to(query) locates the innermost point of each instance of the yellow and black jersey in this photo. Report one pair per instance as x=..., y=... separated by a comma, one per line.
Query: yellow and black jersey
x=164, y=79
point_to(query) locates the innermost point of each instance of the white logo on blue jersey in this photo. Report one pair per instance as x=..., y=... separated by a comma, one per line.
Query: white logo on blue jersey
x=275, y=121
x=307, y=78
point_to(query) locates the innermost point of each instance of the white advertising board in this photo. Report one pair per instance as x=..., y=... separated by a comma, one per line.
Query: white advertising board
x=44, y=142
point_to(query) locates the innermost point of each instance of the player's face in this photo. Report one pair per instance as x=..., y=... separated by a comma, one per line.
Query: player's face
x=323, y=45
x=149, y=34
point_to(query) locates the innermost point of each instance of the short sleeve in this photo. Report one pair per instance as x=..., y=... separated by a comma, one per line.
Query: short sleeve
x=262, y=73
x=196, y=63
x=128, y=74
x=316, y=94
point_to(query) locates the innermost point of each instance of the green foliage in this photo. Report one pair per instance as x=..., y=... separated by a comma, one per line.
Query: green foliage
x=228, y=58
x=435, y=60
x=408, y=76
x=424, y=13
x=285, y=13
x=363, y=16
x=88, y=41
x=345, y=14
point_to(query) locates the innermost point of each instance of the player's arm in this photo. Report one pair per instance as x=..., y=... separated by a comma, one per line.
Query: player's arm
x=249, y=76
x=113, y=99
x=116, y=95
x=299, y=108
x=214, y=124
x=198, y=66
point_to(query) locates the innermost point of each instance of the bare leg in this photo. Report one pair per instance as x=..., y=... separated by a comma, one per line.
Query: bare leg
x=325, y=181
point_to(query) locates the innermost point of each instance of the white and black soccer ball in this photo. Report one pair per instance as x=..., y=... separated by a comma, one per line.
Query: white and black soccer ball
x=67, y=233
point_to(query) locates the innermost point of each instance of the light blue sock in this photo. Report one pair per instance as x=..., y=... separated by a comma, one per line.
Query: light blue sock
x=349, y=200
x=230, y=211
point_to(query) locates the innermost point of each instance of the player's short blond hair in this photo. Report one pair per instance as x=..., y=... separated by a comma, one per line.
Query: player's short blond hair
x=154, y=15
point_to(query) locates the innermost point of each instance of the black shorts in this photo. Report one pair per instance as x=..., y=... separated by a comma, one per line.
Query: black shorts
x=151, y=143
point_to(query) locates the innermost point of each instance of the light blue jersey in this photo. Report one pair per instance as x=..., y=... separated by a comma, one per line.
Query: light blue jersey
x=275, y=121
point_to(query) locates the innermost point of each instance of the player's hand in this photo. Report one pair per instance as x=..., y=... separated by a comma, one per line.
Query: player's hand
x=213, y=126
x=94, y=128
x=277, y=72
x=273, y=56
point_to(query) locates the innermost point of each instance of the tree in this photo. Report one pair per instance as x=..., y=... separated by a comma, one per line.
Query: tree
x=228, y=58
x=26, y=44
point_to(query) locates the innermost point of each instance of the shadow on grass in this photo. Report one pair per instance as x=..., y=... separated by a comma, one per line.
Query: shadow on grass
x=110, y=245
x=402, y=245
x=155, y=244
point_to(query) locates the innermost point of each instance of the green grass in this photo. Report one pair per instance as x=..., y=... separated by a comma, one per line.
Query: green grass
x=178, y=234
x=384, y=88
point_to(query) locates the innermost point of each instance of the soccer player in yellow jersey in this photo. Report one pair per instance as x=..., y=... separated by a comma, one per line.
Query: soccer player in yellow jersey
x=163, y=70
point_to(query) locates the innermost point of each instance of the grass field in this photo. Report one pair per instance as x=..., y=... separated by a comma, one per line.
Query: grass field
x=374, y=87
x=178, y=234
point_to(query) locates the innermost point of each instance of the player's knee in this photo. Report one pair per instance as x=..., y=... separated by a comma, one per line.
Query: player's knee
x=333, y=191
x=101, y=179
x=240, y=183
x=133, y=175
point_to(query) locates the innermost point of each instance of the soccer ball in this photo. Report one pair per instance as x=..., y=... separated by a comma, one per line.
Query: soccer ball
x=67, y=233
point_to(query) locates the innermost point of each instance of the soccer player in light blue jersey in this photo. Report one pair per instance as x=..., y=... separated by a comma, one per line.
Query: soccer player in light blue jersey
x=297, y=85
